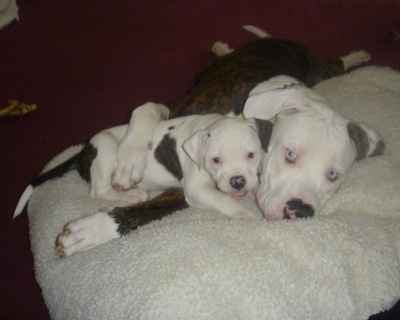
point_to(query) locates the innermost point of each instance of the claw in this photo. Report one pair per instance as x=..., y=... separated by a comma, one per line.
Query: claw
x=117, y=187
x=59, y=250
x=66, y=231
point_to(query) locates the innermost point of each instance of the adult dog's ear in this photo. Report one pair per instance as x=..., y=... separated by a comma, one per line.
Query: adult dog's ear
x=264, y=131
x=194, y=146
x=367, y=142
x=281, y=95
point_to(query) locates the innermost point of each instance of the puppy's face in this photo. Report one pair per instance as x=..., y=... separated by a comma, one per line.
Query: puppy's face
x=230, y=152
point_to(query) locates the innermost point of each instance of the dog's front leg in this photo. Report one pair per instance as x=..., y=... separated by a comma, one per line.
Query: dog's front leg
x=131, y=217
x=132, y=150
x=103, y=226
x=203, y=194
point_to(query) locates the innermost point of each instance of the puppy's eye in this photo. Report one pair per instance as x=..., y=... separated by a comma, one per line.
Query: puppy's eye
x=290, y=156
x=215, y=160
x=332, y=175
x=250, y=155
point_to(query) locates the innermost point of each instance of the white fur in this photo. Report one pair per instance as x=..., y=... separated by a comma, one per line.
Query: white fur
x=257, y=31
x=131, y=153
x=23, y=200
x=235, y=144
x=86, y=233
x=310, y=149
x=354, y=59
x=221, y=49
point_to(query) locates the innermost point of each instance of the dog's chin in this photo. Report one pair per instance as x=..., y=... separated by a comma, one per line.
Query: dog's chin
x=238, y=193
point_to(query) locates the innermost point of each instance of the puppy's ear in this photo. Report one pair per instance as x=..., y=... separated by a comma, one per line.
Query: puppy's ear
x=263, y=129
x=194, y=146
x=368, y=143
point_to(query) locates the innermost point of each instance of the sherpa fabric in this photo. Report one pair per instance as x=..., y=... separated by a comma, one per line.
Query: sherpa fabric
x=342, y=264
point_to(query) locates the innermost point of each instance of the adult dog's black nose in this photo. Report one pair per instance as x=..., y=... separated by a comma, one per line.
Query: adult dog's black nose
x=300, y=209
x=238, y=182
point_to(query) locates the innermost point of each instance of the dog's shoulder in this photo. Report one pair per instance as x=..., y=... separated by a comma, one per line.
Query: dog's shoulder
x=169, y=136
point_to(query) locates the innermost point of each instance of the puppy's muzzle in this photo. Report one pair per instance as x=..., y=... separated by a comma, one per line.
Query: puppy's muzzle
x=238, y=182
x=296, y=208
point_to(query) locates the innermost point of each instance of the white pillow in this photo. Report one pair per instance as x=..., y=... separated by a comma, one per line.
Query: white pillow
x=342, y=264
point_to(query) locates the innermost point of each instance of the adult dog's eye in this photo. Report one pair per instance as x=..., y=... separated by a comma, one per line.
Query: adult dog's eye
x=290, y=156
x=332, y=175
x=215, y=160
x=250, y=155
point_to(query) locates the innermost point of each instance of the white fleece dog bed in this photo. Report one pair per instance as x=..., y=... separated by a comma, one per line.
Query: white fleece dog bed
x=342, y=264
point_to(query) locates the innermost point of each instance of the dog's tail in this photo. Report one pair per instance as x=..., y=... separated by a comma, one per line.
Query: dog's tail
x=257, y=31
x=55, y=172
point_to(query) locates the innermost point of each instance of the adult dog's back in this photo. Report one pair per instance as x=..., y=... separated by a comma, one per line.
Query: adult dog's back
x=223, y=85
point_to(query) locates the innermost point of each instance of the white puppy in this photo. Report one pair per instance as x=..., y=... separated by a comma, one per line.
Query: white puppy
x=213, y=157
x=311, y=147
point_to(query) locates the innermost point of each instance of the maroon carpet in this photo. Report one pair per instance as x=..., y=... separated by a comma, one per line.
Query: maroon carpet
x=87, y=64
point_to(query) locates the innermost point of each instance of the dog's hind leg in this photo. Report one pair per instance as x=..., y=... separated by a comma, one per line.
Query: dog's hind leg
x=322, y=70
x=221, y=49
x=354, y=59
x=132, y=150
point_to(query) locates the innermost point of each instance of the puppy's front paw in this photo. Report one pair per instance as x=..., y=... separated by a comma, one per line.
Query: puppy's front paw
x=130, y=164
x=86, y=233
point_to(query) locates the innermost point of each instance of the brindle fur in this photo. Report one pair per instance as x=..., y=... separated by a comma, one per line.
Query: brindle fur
x=131, y=217
x=223, y=85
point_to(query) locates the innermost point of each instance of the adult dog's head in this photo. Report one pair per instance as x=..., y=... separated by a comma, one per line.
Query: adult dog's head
x=310, y=150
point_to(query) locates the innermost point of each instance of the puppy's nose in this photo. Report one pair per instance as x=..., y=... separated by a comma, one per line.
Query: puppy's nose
x=299, y=208
x=238, y=182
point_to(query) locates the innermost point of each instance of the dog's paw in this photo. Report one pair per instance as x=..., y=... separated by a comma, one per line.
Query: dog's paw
x=129, y=170
x=355, y=58
x=86, y=233
x=221, y=49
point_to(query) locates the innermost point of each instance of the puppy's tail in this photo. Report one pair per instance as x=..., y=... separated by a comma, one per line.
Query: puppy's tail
x=56, y=172
x=23, y=200
x=257, y=31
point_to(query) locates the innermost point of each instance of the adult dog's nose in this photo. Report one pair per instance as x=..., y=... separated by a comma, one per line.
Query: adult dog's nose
x=238, y=182
x=299, y=208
